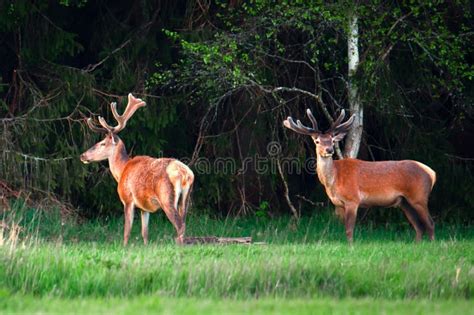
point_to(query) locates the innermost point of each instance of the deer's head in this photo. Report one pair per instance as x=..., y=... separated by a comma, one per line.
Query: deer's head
x=104, y=149
x=324, y=141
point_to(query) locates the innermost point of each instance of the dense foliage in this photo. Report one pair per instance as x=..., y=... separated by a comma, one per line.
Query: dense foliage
x=219, y=77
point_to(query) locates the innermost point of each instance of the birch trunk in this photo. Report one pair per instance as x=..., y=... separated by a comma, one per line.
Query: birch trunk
x=354, y=137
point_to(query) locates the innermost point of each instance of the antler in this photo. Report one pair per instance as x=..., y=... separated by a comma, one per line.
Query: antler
x=339, y=119
x=132, y=106
x=94, y=127
x=299, y=127
x=313, y=120
x=337, y=127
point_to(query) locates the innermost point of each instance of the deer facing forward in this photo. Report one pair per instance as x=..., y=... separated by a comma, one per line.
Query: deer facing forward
x=144, y=182
x=352, y=183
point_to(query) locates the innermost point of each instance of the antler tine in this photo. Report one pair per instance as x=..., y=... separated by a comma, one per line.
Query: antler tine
x=102, y=121
x=94, y=128
x=106, y=125
x=313, y=120
x=301, y=126
x=339, y=119
x=113, y=108
x=345, y=126
x=298, y=127
x=132, y=106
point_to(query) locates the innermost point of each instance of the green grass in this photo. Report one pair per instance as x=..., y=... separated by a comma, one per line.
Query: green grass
x=59, y=266
x=391, y=270
x=165, y=305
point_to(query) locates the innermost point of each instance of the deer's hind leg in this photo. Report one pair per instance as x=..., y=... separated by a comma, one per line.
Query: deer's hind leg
x=425, y=218
x=413, y=218
x=174, y=217
x=170, y=207
x=129, y=209
x=417, y=199
x=183, y=207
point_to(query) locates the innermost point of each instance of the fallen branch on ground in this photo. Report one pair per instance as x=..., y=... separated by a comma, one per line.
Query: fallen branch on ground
x=217, y=240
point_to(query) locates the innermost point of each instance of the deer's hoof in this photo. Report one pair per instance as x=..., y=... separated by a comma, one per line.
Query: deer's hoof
x=180, y=240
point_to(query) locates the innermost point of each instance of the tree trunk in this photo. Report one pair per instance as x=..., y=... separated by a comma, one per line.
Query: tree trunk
x=354, y=136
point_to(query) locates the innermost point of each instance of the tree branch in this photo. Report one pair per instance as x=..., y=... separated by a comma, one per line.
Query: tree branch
x=287, y=191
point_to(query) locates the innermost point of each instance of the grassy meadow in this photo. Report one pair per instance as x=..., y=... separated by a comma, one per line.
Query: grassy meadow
x=57, y=266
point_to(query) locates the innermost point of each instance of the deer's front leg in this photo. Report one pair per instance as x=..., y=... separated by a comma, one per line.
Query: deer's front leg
x=129, y=210
x=340, y=213
x=145, y=219
x=350, y=214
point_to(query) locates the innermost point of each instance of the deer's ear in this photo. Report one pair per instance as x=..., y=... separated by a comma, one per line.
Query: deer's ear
x=113, y=138
x=339, y=136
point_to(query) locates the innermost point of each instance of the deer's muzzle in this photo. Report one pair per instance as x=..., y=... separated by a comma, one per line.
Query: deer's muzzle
x=84, y=159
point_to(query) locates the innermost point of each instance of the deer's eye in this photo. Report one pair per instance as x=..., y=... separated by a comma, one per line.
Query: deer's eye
x=102, y=144
x=317, y=141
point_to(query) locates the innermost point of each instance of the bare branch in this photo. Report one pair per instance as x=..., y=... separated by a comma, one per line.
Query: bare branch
x=37, y=158
x=287, y=191
x=314, y=204
x=92, y=67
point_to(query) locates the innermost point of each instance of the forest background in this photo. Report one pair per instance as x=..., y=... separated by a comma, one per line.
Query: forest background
x=219, y=77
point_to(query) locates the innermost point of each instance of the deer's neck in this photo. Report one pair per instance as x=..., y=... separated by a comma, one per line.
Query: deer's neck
x=326, y=171
x=118, y=160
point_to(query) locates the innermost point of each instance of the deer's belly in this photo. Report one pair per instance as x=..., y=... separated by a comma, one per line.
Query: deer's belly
x=390, y=199
x=146, y=200
x=141, y=189
x=150, y=205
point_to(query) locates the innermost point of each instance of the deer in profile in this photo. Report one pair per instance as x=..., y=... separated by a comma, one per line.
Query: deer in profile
x=352, y=183
x=144, y=182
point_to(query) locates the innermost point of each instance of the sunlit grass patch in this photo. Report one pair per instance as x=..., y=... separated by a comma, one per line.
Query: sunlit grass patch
x=155, y=304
